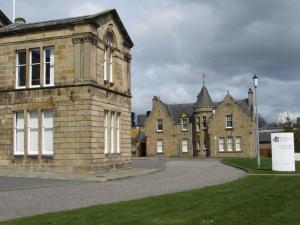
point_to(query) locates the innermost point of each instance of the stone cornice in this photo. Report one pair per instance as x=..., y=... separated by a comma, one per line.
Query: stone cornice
x=87, y=84
x=85, y=37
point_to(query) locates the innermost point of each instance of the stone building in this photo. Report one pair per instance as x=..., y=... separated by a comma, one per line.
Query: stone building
x=201, y=129
x=65, y=95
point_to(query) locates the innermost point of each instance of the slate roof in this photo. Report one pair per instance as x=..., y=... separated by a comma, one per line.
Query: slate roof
x=264, y=137
x=4, y=19
x=18, y=28
x=141, y=120
x=204, y=99
x=176, y=110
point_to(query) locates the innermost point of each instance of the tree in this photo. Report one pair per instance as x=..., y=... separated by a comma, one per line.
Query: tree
x=288, y=126
x=262, y=121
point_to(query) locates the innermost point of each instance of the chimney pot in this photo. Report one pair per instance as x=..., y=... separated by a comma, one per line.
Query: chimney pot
x=20, y=20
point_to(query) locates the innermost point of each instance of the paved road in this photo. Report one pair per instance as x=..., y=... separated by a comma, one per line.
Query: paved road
x=35, y=196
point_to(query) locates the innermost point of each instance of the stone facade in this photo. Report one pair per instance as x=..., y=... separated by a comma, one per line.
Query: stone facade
x=223, y=129
x=79, y=98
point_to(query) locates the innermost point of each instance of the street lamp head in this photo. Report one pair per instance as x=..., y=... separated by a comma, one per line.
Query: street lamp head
x=255, y=81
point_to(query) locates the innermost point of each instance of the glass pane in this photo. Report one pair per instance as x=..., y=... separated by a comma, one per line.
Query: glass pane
x=21, y=57
x=20, y=120
x=34, y=122
x=48, y=119
x=47, y=73
x=35, y=74
x=21, y=76
x=35, y=55
x=48, y=140
x=47, y=55
x=20, y=141
x=34, y=140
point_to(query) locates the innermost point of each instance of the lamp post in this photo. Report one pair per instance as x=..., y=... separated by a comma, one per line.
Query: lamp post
x=255, y=83
x=214, y=112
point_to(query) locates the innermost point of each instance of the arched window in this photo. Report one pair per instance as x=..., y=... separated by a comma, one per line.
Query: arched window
x=108, y=59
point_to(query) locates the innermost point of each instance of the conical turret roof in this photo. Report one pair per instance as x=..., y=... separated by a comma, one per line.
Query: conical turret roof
x=203, y=98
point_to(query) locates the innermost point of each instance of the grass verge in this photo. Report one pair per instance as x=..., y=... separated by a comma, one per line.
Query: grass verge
x=251, y=166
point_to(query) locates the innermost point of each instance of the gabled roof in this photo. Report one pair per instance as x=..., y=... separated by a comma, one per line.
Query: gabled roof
x=204, y=99
x=19, y=28
x=176, y=110
x=4, y=19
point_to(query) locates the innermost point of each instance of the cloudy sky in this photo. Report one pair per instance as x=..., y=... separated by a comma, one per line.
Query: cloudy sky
x=176, y=41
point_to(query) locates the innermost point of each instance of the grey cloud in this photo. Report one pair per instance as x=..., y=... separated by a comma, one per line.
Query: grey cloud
x=177, y=40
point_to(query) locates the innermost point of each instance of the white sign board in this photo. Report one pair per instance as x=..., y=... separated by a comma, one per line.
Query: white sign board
x=283, y=153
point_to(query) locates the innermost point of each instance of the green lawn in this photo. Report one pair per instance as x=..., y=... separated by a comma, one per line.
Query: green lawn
x=250, y=165
x=251, y=200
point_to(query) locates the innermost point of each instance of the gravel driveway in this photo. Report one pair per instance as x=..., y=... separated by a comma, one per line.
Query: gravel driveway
x=24, y=196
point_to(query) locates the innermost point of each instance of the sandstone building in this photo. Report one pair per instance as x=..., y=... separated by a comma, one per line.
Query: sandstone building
x=201, y=129
x=65, y=95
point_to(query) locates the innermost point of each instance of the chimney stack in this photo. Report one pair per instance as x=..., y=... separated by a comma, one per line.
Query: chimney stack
x=250, y=100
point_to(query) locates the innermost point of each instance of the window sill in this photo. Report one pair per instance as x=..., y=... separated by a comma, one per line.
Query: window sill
x=229, y=128
x=159, y=131
x=20, y=87
x=184, y=130
x=34, y=86
x=230, y=151
x=159, y=153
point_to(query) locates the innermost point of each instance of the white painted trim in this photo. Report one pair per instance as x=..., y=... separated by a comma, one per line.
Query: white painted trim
x=52, y=65
x=30, y=69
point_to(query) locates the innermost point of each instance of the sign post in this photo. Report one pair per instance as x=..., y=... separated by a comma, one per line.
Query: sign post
x=283, y=153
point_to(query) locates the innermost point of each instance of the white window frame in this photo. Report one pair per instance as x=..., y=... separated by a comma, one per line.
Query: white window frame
x=30, y=129
x=238, y=144
x=106, y=116
x=30, y=68
x=184, y=122
x=112, y=132
x=159, y=146
x=229, y=144
x=18, y=68
x=229, y=118
x=185, y=145
x=16, y=129
x=51, y=63
x=221, y=144
x=44, y=152
x=198, y=145
x=158, y=122
x=118, y=133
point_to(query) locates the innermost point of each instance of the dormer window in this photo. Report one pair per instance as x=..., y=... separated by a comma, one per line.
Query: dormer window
x=184, y=124
x=108, y=58
x=229, y=123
